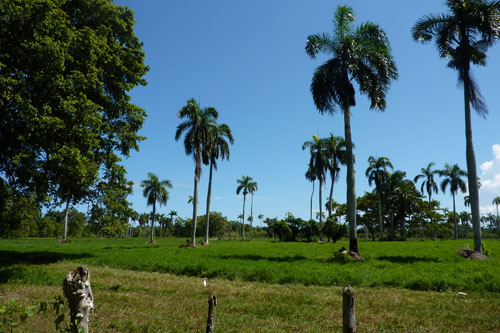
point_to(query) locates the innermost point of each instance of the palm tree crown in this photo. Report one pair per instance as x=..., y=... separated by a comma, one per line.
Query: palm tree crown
x=155, y=191
x=361, y=55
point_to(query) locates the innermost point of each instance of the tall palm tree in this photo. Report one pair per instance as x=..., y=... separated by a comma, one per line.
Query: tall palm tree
x=198, y=124
x=243, y=185
x=496, y=202
x=252, y=188
x=318, y=163
x=311, y=176
x=377, y=173
x=216, y=148
x=336, y=155
x=361, y=55
x=453, y=179
x=261, y=218
x=463, y=36
x=155, y=191
x=465, y=218
x=430, y=185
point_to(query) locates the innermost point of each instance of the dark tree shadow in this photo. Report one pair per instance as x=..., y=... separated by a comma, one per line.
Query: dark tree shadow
x=407, y=259
x=8, y=258
x=256, y=257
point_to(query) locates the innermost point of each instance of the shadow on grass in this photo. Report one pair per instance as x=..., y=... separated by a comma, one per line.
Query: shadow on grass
x=407, y=259
x=256, y=257
x=8, y=258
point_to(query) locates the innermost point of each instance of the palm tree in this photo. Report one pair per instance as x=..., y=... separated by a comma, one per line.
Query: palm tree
x=172, y=214
x=466, y=201
x=377, y=173
x=155, y=191
x=318, y=163
x=261, y=218
x=453, y=178
x=465, y=218
x=496, y=202
x=198, y=125
x=463, y=36
x=216, y=148
x=252, y=188
x=336, y=155
x=243, y=185
x=428, y=182
x=359, y=55
x=311, y=176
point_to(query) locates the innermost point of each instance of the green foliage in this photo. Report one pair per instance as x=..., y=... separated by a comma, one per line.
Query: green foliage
x=334, y=230
x=12, y=314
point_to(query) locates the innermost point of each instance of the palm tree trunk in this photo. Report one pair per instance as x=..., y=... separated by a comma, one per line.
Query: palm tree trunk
x=351, y=186
x=251, y=218
x=209, y=195
x=498, y=222
x=331, y=196
x=243, y=220
x=320, y=211
x=151, y=240
x=65, y=235
x=197, y=173
x=471, y=168
x=311, y=211
x=455, y=227
x=381, y=226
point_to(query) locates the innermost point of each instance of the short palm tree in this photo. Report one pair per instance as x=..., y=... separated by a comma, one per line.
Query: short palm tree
x=311, y=176
x=496, y=202
x=430, y=185
x=463, y=36
x=465, y=218
x=453, y=179
x=197, y=125
x=243, y=186
x=261, y=218
x=359, y=54
x=216, y=148
x=336, y=155
x=377, y=173
x=252, y=188
x=318, y=163
x=155, y=191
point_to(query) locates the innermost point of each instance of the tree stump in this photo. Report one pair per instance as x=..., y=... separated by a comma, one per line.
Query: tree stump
x=212, y=306
x=348, y=316
x=76, y=287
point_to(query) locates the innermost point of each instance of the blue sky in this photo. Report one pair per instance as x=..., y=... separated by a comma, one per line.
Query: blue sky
x=247, y=59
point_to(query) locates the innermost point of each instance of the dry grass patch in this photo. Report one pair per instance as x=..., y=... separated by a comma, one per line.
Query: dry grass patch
x=129, y=301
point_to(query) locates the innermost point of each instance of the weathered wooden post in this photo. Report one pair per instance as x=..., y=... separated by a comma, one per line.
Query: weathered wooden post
x=349, y=316
x=76, y=287
x=212, y=306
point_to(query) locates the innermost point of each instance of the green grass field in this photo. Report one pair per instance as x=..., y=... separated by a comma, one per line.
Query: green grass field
x=402, y=286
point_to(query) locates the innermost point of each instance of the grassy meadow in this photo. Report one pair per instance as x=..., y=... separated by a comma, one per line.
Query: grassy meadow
x=262, y=286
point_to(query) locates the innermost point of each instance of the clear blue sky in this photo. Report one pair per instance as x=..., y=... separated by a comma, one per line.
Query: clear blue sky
x=247, y=59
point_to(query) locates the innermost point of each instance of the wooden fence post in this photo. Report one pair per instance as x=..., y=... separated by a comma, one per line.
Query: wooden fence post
x=212, y=306
x=76, y=287
x=349, y=316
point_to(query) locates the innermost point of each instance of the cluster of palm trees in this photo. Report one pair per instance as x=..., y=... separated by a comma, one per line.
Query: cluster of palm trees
x=362, y=55
x=247, y=185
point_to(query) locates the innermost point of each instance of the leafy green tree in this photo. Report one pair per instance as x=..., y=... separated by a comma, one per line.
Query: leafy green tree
x=453, y=179
x=318, y=164
x=310, y=230
x=198, y=125
x=463, y=36
x=155, y=191
x=334, y=230
x=359, y=55
x=65, y=112
x=336, y=156
x=244, y=184
x=217, y=147
x=377, y=173
x=405, y=198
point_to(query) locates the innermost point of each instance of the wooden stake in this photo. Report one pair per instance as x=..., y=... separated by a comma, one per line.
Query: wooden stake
x=212, y=306
x=349, y=316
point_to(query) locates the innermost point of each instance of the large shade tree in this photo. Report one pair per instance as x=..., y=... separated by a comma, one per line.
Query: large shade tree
x=318, y=163
x=216, y=147
x=197, y=126
x=358, y=54
x=463, y=35
x=156, y=192
x=453, y=179
x=65, y=112
x=244, y=185
x=377, y=174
